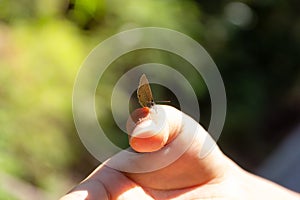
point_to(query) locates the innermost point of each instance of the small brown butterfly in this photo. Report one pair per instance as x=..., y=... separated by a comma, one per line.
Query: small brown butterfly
x=144, y=93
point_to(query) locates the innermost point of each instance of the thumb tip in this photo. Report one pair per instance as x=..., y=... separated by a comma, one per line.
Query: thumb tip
x=150, y=144
x=147, y=130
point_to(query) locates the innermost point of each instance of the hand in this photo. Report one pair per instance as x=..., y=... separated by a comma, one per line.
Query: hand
x=191, y=176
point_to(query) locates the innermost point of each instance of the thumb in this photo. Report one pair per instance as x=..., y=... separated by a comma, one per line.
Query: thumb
x=150, y=129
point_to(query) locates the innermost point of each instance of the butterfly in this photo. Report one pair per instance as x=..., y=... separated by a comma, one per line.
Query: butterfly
x=144, y=93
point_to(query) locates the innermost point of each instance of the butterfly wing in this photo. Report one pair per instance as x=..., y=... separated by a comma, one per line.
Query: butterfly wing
x=144, y=92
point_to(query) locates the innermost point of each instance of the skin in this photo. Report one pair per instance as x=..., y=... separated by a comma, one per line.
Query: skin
x=193, y=175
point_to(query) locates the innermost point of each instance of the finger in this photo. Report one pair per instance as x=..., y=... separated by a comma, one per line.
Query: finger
x=151, y=129
x=187, y=151
x=89, y=189
x=178, y=136
x=106, y=183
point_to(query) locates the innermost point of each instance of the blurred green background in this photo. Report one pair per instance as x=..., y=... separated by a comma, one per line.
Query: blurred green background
x=255, y=44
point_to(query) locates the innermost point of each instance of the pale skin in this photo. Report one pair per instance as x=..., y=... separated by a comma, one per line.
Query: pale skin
x=191, y=176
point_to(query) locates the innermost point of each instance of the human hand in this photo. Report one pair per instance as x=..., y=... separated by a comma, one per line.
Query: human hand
x=191, y=176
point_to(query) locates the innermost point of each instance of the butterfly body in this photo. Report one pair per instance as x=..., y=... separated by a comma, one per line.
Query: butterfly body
x=144, y=93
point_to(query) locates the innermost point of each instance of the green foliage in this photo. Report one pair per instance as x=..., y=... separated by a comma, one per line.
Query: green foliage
x=6, y=195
